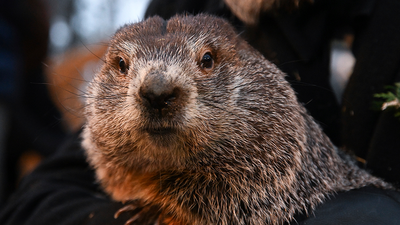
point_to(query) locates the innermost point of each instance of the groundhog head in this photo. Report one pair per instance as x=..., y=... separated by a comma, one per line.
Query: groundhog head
x=170, y=90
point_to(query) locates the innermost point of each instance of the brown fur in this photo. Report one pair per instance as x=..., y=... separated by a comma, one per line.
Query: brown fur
x=235, y=146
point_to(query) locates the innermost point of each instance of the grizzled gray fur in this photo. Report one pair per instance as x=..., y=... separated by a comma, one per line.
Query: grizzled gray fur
x=186, y=117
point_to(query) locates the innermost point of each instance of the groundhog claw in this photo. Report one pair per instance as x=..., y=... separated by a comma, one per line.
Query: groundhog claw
x=147, y=214
x=126, y=208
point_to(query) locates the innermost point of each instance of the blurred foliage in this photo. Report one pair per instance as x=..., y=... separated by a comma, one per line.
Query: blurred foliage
x=390, y=99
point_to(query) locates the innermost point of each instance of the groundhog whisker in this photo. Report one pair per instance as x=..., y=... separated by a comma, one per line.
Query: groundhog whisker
x=98, y=57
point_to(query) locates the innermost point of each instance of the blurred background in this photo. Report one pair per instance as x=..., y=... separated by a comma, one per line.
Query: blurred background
x=77, y=22
x=48, y=51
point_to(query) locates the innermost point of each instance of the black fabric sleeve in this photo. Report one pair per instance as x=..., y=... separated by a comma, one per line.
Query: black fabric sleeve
x=62, y=190
x=365, y=206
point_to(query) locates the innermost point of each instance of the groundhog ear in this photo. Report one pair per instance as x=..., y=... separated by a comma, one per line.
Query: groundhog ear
x=245, y=50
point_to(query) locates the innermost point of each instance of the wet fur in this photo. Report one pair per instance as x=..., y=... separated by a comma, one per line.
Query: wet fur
x=243, y=150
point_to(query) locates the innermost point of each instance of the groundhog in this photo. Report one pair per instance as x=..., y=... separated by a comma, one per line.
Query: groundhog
x=186, y=118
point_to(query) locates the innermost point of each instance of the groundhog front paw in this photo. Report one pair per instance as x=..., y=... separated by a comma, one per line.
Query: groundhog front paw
x=143, y=214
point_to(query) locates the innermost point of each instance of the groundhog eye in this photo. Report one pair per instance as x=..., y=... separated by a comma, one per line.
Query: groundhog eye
x=207, y=61
x=122, y=66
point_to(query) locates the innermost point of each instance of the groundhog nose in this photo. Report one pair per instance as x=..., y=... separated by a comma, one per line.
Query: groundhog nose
x=157, y=93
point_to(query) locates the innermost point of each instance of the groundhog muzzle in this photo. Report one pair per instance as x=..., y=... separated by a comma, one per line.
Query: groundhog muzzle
x=187, y=118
